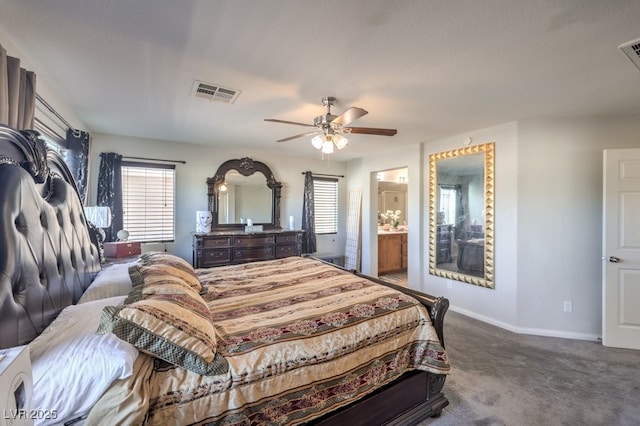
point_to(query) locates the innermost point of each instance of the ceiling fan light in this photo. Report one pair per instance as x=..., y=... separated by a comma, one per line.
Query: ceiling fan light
x=317, y=142
x=327, y=147
x=340, y=141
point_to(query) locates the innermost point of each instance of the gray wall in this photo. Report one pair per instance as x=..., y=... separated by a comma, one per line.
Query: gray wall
x=548, y=213
x=560, y=219
x=202, y=162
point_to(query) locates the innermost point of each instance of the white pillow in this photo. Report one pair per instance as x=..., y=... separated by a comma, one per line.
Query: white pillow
x=73, y=366
x=112, y=281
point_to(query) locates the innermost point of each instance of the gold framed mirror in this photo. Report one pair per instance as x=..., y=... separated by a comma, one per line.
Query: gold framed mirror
x=461, y=214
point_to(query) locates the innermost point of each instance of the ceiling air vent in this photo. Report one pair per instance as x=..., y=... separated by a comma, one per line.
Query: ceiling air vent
x=632, y=50
x=214, y=92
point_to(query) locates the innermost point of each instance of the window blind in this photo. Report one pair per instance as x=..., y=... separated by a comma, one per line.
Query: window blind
x=448, y=205
x=148, y=201
x=325, y=201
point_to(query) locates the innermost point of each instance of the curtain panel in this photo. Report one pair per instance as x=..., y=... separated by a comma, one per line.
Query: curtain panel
x=460, y=214
x=110, y=191
x=308, y=220
x=77, y=159
x=17, y=93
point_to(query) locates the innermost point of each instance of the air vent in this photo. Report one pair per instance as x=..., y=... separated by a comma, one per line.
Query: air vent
x=632, y=50
x=214, y=92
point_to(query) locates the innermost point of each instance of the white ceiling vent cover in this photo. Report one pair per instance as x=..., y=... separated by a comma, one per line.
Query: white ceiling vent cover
x=632, y=50
x=214, y=92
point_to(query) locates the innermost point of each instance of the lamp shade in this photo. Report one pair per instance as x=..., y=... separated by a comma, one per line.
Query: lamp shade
x=327, y=147
x=317, y=141
x=340, y=141
x=100, y=216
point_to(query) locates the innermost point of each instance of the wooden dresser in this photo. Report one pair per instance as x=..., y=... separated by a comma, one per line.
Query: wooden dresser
x=392, y=252
x=232, y=247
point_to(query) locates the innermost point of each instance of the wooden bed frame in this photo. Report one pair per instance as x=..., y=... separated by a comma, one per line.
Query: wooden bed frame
x=49, y=256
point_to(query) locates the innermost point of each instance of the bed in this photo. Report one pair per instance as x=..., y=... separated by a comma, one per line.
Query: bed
x=289, y=341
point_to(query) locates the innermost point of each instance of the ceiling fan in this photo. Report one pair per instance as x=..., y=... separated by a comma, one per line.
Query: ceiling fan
x=328, y=129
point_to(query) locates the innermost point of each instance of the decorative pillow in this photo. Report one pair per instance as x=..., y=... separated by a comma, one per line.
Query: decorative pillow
x=72, y=365
x=174, y=327
x=112, y=281
x=158, y=257
x=165, y=274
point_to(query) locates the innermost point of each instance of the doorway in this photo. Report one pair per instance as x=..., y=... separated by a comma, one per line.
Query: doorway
x=392, y=229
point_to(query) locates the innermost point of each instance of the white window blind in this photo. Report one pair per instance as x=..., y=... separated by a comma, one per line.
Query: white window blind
x=148, y=201
x=448, y=205
x=325, y=203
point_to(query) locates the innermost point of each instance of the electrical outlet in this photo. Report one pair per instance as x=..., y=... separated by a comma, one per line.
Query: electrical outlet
x=568, y=306
x=449, y=284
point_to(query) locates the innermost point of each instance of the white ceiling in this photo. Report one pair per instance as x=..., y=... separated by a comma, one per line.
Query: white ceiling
x=430, y=68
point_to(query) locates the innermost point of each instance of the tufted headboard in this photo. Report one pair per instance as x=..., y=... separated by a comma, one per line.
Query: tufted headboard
x=48, y=254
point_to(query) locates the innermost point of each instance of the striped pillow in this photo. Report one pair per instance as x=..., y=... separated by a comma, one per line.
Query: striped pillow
x=176, y=328
x=158, y=275
x=157, y=257
x=165, y=316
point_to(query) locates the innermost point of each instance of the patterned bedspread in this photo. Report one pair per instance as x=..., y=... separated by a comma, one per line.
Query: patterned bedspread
x=301, y=338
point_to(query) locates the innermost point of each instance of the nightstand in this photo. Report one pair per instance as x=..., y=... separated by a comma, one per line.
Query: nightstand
x=121, y=249
x=117, y=260
x=16, y=386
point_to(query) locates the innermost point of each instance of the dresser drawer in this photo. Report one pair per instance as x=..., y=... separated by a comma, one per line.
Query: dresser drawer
x=286, y=250
x=252, y=253
x=214, y=257
x=287, y=239
x=253, y=240
x=121, y=249
x=213, y=242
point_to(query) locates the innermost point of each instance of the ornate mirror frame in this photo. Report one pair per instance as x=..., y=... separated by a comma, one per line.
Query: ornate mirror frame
x=246, y=167
x=489, y=157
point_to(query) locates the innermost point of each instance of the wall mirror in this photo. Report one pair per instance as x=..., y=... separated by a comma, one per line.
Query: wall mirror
x=392, y=193
x=244, y=189
x=461, y=219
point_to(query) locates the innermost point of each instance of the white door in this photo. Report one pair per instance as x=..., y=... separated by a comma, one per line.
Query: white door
x=621, y=249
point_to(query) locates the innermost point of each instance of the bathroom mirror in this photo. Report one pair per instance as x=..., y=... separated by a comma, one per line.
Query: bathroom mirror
x=461, y=220
x=244, y=189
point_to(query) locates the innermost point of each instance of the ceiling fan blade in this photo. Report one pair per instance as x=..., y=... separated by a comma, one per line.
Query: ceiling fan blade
x=349, y=115
x=299, y=136
x=370, y=131
x=289, y=122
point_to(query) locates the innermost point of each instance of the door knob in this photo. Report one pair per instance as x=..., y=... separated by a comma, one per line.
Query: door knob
x=614, y=259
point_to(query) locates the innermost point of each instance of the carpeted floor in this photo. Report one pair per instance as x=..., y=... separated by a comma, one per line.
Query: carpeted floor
x=504, y=378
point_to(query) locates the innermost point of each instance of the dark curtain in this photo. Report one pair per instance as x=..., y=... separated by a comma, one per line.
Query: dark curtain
x=17, y=93
x=77, y=159
x=309, y=237
x=110, y=190
x=460, y=214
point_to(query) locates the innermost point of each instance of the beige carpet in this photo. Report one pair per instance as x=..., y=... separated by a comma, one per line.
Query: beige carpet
x=504, y=378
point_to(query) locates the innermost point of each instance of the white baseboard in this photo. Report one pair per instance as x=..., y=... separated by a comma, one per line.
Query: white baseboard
x=526, y=330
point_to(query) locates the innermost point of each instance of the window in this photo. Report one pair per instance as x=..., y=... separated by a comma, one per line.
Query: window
x=52, y=139
x=448, y=204
x=148, y=201
x=325, y=203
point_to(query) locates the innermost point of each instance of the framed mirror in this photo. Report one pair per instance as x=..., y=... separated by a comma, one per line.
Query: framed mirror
x=461, y=216
x=244, y=189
